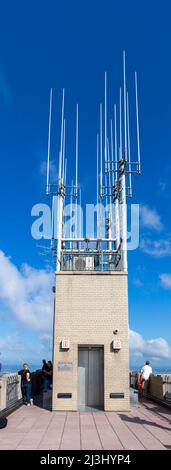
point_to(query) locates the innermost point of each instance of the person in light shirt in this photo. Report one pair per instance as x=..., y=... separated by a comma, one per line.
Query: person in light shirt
x=146, y=371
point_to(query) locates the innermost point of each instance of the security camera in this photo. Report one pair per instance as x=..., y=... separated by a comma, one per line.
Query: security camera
x=115, y=332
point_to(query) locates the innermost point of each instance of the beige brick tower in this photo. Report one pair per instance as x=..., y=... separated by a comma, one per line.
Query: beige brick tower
x=90, y=350
x=90, y=307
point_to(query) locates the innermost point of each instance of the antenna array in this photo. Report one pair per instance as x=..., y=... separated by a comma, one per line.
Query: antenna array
x=114, y=184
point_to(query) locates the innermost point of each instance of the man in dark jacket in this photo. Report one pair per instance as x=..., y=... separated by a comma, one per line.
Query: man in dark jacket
x=47, y=375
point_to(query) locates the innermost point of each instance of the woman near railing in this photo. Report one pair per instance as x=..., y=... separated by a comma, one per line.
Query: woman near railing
x=26, y=384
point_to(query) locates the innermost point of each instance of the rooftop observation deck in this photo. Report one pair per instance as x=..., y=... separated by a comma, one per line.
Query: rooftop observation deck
x=146, y=427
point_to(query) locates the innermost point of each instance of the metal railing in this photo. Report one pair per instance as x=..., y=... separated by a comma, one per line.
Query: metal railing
x=91, y=260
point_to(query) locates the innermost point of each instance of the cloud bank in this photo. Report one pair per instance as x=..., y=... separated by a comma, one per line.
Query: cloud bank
x=27, y=293
x=157, y=348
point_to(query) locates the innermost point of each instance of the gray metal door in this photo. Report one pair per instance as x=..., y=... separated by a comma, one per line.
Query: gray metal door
x=90, y=377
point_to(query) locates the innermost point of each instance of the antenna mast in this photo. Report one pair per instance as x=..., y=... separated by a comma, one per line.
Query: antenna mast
x=114, y=184
x=137, y=118
x=49, y=142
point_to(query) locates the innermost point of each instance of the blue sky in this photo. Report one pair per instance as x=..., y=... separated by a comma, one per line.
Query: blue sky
x=71, y=44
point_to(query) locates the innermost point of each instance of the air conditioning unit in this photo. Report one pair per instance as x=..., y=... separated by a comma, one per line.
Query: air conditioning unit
x=83, y=263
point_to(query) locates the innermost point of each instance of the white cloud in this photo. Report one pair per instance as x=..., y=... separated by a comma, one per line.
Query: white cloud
x=156, y=248
x=165, y=280
x=158, y=347
x=136, y=341
x=150, y=219
x=27, y=293
x=17, y=349
x=53, y=170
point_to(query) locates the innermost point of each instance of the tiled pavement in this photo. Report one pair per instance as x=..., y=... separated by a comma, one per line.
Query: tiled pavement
x=147, y=426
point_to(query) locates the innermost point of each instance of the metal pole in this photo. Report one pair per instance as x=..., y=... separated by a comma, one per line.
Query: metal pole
x=116, y=202
x=76, y=157
x=129, y=151
x=125, y=118
x=109, y=172
x=123, y=215
x=52, y=223
x=120, y=121
x=101, y=152
x=65, y=173
x=63, y=154
x=49, y=142
x=76, y=172
x=97, y=185
x=105, y=119
x=71, y=215
x=112, y=152
x=105, y=137
x=60, y=194
x=62, y=128
x=137, y=119
x=60, y=230
x=101, y=169
x=116, y=145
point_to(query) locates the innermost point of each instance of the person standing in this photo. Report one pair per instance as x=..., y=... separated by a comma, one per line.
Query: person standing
x=47, y=375
x=26, y=384
x=146, y=371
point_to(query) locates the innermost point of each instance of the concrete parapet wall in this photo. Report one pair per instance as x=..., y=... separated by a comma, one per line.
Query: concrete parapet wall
x=156, y=386
x=159, y=386
x=10, y=391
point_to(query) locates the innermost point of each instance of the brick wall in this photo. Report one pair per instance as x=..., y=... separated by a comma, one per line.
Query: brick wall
x=89, y=307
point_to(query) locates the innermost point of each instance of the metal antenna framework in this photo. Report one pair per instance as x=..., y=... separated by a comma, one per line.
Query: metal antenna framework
x=114, y=184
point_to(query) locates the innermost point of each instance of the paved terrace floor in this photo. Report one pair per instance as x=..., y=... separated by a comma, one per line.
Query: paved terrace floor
x=146, y=427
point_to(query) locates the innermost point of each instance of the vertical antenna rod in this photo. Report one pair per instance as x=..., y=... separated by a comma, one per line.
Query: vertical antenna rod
x=120, y=122
x=110, y=204
x=105, y=136
x=101, y=152
x=62, y=130
x=49, y=142
x=125, y=118
x=122, y=189
x=63, y=152
x=116, y=202
x=76, y=156
x=137, y=119
x=129, y=152
x=105, y=121
x=110, y=182
x=112, y=152
x=60, y=195
x=116, y=145
x=52, y=224
x=71, y=196
x=97, y=184
x=65, y=172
